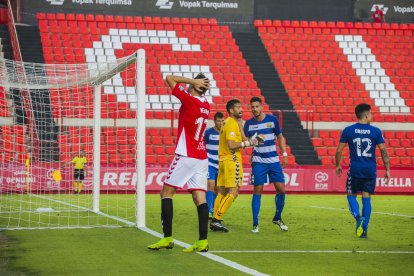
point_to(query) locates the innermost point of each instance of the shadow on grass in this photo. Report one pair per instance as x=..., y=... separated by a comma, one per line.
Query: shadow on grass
x=8, y=248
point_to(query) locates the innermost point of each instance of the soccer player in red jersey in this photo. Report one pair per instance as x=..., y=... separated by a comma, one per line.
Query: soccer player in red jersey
x=190, y=164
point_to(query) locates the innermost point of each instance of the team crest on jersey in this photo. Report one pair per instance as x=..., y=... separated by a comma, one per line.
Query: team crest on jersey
x=269, y=125
x=231, y=134
x=201, y=146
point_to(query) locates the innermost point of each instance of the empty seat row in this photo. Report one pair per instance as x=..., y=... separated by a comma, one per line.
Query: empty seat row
x=332, y=24
x=119, y=18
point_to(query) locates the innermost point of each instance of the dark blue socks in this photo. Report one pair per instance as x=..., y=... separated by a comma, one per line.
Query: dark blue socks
x=280, y=203
x=366, y=211
x=256, y=208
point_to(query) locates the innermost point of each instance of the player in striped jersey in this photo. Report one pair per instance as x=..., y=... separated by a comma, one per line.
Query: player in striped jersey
x=211, y=137
x=266, y=166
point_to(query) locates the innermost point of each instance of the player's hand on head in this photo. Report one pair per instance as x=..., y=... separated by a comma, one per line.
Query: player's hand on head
x=199, y=84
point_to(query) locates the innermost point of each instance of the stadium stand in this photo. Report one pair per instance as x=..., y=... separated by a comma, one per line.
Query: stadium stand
x=329, y=67
x=173, y=45
x=13, y=147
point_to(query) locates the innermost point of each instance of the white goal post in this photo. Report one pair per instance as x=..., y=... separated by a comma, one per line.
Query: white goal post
x=55, y=112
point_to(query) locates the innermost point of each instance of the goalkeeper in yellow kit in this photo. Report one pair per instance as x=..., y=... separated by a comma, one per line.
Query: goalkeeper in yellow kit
x=230, y=173
x=79, y=171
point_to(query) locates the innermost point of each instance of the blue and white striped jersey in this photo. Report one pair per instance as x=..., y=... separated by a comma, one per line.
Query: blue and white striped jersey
x=211, y=138
x=269, y=126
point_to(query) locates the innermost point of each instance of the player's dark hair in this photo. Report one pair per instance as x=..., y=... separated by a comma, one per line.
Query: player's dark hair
x=256, y=99
x=218, y=115
x=361, y=110
x=230, y=104
x=201, y=76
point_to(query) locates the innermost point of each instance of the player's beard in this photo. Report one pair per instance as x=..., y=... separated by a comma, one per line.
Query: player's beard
x=257, y=114
x=238, y=115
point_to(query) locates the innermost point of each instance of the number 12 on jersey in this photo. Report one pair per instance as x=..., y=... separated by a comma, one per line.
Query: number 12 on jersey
x=360, y=143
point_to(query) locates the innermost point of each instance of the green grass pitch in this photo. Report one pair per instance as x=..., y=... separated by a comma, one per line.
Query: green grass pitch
x=317, y=223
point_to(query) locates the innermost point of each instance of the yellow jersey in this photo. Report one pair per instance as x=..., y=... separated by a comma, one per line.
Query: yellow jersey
x=79, y=162
x=229, y=131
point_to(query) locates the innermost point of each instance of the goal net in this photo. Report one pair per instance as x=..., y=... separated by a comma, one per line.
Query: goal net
x=72, y=149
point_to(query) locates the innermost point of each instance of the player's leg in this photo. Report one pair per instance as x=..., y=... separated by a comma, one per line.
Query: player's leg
x=259, y=178
x=280, y=204
x=167, y=242
x=199, y=198
x=353, y=186
x=198, y=186
x=256, y=203
x=75, y=181
x=368, y=190
x=278, y=179
x=220, y=186
x=167, y=208
x=351, y=191
x=177, y=177
x=232, y=181
x=81, y=178
x=211, y=186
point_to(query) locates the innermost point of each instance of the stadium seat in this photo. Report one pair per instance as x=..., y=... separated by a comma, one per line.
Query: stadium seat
x=316, y=47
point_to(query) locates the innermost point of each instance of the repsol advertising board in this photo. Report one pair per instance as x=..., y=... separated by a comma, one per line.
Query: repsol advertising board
x=394, y=10
x=319, y=179
x=223, y=10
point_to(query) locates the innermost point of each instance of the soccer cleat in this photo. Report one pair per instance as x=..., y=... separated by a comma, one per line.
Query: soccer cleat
x=199, y=246
x=255, y=229
x=167, y=243
x=281, y=224
x=216, y=225
x=359, y=224
x=364, y=235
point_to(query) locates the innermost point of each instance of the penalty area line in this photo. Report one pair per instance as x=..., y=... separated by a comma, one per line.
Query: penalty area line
x=378, y=213
x=316, y=251
x=210, y=256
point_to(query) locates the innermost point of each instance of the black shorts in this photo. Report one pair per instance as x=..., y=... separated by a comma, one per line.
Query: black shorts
x=79, y=174
x=355, y=185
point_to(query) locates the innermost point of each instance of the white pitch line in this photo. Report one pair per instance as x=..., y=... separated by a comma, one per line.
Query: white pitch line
x=314, y=251
x=210, y=256
x=379, y=213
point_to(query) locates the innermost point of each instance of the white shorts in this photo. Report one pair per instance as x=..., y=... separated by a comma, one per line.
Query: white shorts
x=186, y=170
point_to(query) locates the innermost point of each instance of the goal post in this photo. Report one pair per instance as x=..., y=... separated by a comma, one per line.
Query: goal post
x=140, y=145
x=95, y=109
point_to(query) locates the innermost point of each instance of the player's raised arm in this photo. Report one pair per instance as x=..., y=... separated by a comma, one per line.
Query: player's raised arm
x=338, y=157
x=386, y=160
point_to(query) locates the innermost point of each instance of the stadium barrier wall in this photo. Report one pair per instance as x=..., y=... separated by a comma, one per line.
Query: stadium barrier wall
x=224, y=11
x=301, y=179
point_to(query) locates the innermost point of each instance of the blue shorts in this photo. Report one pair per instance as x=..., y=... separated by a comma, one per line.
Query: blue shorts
x=212, y=173
x=355, y=185
x=267, y=173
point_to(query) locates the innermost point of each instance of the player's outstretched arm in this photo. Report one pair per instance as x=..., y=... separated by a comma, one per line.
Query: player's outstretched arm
x=386, y=160
x=338, y=157
x=197, y=83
